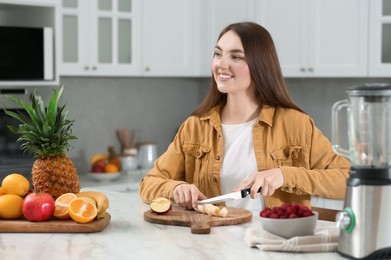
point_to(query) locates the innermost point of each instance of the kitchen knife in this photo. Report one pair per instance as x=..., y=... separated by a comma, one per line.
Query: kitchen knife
x=229, y=196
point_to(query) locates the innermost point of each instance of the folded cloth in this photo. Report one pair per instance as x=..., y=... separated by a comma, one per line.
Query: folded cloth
x=325, y=239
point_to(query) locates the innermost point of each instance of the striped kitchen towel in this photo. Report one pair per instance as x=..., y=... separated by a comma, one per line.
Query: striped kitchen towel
x=325, y=239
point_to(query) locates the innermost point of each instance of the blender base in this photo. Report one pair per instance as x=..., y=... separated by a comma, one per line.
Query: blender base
x=368, y=233
x=381, y=254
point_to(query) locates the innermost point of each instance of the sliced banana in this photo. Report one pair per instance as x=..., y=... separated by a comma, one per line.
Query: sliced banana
x=212, y=210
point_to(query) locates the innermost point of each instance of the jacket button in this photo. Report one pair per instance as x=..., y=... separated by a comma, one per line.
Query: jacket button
x=294, y=189
x=217, y=157
x=286, y=188
x=198, y=153
x=214, y=180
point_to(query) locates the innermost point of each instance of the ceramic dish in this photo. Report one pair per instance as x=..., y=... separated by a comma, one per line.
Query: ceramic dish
x=104, y=176
x=291, y=227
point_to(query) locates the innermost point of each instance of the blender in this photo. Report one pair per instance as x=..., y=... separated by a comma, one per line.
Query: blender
x=365, y=221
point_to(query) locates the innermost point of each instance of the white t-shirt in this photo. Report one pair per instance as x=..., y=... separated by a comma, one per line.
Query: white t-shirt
x=239, y=163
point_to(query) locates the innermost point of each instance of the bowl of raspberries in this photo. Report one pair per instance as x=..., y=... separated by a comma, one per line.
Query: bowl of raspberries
x=289, y=220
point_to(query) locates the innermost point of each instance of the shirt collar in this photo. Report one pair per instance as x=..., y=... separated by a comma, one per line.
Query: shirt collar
x=266, y=115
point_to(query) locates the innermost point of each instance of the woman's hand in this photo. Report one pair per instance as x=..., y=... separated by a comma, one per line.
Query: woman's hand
x=268, y=180
x=185, y=195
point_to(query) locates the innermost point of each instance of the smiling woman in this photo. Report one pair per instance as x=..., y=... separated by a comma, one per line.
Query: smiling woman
x=247, y=133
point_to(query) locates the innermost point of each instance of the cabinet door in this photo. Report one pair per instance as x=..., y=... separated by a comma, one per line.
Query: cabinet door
x=287, y=22
x=338, y=35
x=170, y=37
x=115, y=28
x=318, y=38
x=380, y=38
x=217, y=15
x=75, y=34
x=101, y=37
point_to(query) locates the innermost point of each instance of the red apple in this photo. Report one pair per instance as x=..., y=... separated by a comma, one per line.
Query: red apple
x=38, y=206
x=97, y=168
x=161, y=205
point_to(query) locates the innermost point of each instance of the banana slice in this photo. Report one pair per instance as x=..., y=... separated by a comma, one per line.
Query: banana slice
x=212, y=210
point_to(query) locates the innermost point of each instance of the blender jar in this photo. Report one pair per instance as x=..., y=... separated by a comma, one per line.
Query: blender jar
x=369, y=126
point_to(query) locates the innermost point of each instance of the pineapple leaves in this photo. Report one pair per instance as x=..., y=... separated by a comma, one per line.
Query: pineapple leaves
x=52, y=106
x=43, y=131
x=29, y=109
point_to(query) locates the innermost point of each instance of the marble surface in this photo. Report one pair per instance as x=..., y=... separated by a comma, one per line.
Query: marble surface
x=128, y=236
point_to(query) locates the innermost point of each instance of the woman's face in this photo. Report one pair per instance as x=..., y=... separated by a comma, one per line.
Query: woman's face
x=229, y=65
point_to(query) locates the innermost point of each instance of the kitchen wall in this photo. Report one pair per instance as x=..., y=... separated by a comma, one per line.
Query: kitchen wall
x=155, y=107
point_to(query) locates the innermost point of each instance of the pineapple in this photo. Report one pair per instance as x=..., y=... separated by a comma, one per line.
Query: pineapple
x=45, y=133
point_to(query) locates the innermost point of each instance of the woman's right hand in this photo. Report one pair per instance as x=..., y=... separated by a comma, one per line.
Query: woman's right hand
x=185, y=195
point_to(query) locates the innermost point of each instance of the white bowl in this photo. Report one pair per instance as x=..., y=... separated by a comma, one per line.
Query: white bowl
x=291, y=227
x=103, y=176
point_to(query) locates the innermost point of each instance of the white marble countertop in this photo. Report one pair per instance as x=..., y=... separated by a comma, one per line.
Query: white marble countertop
x=129, y=182
x=128, y=236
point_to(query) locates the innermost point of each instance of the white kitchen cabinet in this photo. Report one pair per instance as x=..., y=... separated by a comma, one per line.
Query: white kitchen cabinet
x=217, y=15
x=380, y=38
x=171, y=37
x=316, y=38
x=100, y=37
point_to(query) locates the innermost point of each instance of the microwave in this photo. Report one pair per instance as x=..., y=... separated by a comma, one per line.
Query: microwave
x=26, y=53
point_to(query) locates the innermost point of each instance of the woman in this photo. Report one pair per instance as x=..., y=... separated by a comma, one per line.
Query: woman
x=247, y=133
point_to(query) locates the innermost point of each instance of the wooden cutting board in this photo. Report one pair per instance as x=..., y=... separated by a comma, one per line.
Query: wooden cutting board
x=53, y=226
x=198, y=222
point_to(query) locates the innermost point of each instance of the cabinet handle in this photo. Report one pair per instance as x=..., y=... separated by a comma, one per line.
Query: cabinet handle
x=147, y=69
x=311, y=69
x=302, y=69
x=86, y=67
x=94, y=68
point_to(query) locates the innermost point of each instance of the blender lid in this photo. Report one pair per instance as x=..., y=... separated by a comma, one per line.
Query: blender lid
x=370, y=89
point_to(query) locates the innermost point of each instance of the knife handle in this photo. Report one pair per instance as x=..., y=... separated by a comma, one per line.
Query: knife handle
x=246, y=192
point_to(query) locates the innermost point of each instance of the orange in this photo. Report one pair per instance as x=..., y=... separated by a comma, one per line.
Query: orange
x=10, y=206
x=61, y=205
x=82, y=211
x=111, y=167
x=116, y=161
x=15, y=183
x=1, y=191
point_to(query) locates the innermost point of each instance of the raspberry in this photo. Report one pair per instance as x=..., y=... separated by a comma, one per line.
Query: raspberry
x=287, y=211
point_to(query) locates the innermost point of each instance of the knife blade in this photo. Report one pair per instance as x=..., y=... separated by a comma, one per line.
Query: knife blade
x=226, y=197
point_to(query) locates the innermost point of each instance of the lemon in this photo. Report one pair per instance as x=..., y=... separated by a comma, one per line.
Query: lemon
x=15, y=183
x=10, y=206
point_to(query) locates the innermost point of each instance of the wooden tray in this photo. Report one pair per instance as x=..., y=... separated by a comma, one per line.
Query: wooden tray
x=53, y=226
x=198, y=222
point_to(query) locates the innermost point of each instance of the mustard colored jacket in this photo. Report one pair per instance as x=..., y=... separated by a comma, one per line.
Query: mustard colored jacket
x=284, y=138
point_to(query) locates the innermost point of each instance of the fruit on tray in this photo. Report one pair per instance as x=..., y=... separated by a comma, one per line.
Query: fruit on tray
x=38, y=206
x=161, y=205
x=10, y=206
x=101, y=201
x=15, y=183
x=212, y=210
x=287, y=211
x=114, y=158
x=46, y=133
x=82, y=210
x=61, y=205
x=98, y=157
x=106, y=163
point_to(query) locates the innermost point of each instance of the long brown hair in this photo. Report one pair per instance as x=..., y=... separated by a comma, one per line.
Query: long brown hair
x=265, y=70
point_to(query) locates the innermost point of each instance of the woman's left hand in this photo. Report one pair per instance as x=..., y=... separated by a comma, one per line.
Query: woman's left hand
x=268, y=180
